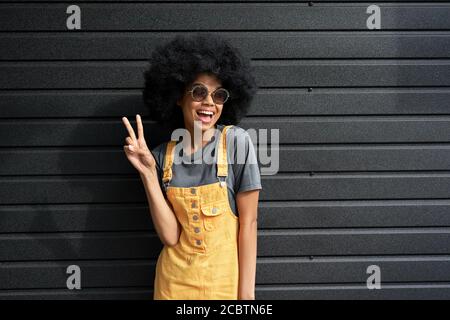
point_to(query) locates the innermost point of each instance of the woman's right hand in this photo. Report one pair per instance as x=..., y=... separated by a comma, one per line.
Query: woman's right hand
x=136, y=149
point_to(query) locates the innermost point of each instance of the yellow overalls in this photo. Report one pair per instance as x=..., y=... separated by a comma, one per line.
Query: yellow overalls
x=204, y=263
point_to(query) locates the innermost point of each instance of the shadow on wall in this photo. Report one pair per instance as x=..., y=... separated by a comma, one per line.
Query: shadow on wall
x=98, y=218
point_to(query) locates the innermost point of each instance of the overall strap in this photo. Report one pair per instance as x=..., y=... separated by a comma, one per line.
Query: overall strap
x=168, y=161
x=222, y=162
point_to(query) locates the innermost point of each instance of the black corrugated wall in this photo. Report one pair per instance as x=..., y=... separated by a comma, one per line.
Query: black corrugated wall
x=364, y=120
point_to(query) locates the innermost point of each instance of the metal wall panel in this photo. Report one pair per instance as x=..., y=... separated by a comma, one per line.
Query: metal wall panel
x=364, y=145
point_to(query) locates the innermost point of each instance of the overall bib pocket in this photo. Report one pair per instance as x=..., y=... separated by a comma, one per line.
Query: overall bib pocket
x=212, y=215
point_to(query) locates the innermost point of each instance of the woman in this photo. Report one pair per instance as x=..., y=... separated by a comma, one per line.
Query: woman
x=204, y=212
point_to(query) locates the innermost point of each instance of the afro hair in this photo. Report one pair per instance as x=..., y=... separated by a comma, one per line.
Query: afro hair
x=176, y=64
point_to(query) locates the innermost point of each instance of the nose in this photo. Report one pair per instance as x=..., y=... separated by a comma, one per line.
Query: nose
x=209, y=100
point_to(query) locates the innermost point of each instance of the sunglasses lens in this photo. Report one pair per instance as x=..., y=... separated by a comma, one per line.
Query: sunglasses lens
x=199, y=93
x=220, y=96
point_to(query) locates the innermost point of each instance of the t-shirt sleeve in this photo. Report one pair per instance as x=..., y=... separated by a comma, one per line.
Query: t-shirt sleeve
x=158, y=154
x=245, y=166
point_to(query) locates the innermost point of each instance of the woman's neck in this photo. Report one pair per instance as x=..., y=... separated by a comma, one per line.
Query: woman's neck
x=206, y=136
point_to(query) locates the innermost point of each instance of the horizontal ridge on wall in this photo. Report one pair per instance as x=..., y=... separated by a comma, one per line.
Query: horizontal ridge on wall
x=39, y=190
x=271, y=271
x=271, y=73
x=318, y=159
x=131, y=45
x=320, y=102
x=338, y=291
x=271, y=243
x=233, y=16
x=295, y=214
x=310, y=130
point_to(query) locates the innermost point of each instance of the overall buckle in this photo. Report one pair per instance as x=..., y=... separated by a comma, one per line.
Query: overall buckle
x=223, y=182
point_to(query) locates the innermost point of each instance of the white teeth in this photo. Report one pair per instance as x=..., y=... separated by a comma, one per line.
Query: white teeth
x=206, y=112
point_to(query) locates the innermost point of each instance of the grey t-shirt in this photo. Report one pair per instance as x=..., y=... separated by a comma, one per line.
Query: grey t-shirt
x=243, y=167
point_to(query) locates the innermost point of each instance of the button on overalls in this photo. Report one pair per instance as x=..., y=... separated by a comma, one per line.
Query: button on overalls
x=204, y=263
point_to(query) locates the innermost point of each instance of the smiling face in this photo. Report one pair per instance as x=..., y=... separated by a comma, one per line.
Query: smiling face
x=206, y=112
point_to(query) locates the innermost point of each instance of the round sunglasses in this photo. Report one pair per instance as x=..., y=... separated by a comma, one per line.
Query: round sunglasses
x=199, y=92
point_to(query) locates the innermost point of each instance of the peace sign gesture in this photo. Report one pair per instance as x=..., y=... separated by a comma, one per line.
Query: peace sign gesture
x=136, y=149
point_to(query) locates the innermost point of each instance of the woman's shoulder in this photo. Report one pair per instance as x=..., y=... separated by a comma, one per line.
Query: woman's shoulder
x=238, y=134
x=160, y=148
x=237, y=129
x=241, y=146
x=159, y=153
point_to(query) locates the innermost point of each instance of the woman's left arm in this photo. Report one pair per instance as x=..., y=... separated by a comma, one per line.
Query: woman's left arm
x=247, y=205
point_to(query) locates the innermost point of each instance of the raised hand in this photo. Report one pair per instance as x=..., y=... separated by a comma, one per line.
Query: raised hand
x=136, y=149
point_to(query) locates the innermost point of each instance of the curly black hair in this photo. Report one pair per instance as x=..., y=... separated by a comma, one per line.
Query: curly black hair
x=176, y=64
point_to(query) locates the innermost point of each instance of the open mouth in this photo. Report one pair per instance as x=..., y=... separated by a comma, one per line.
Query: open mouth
x=205, y=116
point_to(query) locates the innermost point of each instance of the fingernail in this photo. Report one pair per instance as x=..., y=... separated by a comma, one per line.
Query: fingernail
x=130, y=147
